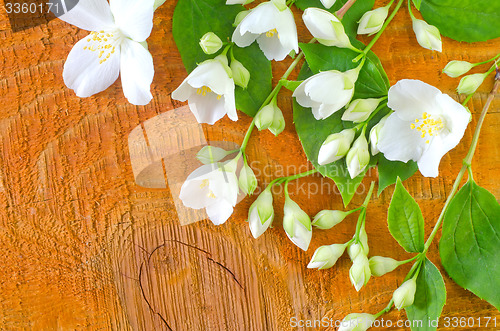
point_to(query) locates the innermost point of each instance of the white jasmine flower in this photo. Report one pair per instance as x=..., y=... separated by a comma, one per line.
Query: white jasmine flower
x=428, y=36
x=327, y=92
x=336, y=146
x=405, y=294
x=261, y=213
x=358, y=157
x=113, y=48
x=297, y=224
x=357, y=322
x=326, y=28
x=274, y=30
x=213, y=187
x=326, y=256
x=372, y=21
x=457, y=68
x=425, y=125
x=209, y=90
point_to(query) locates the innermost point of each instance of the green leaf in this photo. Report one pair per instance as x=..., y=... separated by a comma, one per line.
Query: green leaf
x=405, y=219
x=430, y=298
x=193, y=18
x=352, y=16
x=417, y=3
x=389, y=171
x=372, y=83
x=464, y=20
x=470, y=242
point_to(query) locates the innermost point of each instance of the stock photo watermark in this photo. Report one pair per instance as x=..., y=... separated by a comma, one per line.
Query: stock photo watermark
x=30, y=13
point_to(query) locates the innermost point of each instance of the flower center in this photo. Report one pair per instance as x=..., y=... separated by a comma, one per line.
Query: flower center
x=428, y=125
x=204, y=90
x=103, y=43
x=205, y=183
x=271, y=33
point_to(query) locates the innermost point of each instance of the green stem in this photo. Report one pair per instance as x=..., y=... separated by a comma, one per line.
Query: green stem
x=466, y=164
x=467, y=99
x=374, y=40
x=297, y=176
x=362, y=215
x=385, y=310
x=487, y=61
x=381, y=106
x=409, y=260
x=369, y=194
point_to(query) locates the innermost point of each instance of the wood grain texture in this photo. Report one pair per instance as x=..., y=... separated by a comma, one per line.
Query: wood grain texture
x=86, y=248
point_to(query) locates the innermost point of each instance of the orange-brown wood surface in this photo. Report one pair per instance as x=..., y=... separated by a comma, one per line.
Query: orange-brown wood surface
x=84, y=247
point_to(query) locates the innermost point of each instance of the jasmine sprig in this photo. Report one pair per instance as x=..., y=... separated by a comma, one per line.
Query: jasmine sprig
x=420, y=257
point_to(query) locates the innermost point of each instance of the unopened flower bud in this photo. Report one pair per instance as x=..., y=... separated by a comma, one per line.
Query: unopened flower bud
x=380, y=265
x=297, y=224
x=247, y=180
x=470, y=83
x=354, y=250
x=375, y=135
x=357, y=322
x=360, y=110
x=328, y=3
x=280, y=4
x=210, y=43
x=211, y=154
x=261, y=213
x=158, y=3
x=326, y=28
x=360, y=273
x=327, y=219
x=363, y=239
x=428, y=36
x=264, y=117
x=403, y=297
x=457, y=68
x=371, y=22
x=241, y=75
x=336, y=146
x=326, y=256
x=358, y=156
x=278, y=124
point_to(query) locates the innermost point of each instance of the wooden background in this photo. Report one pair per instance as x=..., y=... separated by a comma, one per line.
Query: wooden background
x=84, y=247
